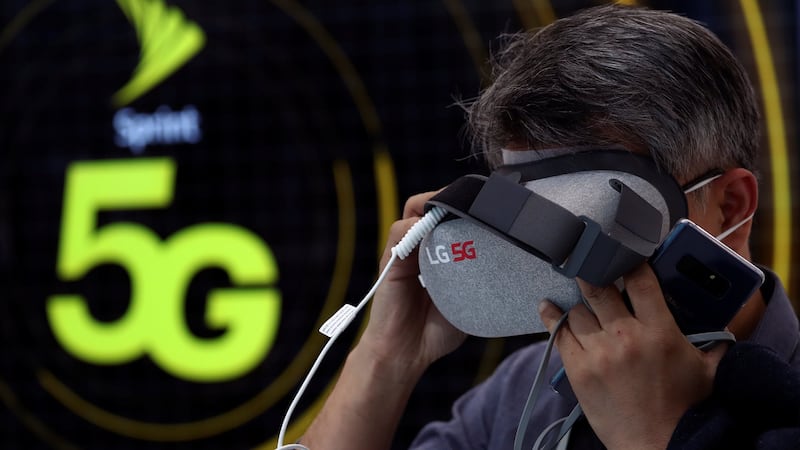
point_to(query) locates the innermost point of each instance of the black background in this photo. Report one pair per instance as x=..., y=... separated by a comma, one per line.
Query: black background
x=277, y=115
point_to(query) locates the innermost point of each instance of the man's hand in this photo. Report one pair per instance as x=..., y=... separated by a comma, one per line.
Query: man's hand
x=404, y=325
x=405, y=334
x=634, y=376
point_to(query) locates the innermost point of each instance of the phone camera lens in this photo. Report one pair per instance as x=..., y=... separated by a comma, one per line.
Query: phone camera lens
x=704, y=277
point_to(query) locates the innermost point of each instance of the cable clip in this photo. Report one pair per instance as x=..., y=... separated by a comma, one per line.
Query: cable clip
x=338, y=321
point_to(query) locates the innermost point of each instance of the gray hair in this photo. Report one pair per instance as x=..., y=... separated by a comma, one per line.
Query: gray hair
x=611, y=75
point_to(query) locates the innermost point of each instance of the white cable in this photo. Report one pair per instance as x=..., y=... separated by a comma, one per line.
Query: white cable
x=730, y=230
x=418, y=231
x=334, y=326
x=533, y=395
x=707, y=341
x=701, y=184
x=543, y=435
x=566, y=427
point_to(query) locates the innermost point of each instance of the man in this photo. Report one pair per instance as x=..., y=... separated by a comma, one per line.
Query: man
x=654, y=83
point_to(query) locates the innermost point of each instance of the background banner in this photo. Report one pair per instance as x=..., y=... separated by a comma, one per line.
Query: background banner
x=188, y=189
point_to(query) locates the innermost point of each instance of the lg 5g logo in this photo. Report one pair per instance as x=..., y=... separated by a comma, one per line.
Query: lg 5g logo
x=459, y=251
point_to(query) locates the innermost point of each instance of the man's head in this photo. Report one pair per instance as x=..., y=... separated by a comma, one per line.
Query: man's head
x=649, y=81
x=614, y=75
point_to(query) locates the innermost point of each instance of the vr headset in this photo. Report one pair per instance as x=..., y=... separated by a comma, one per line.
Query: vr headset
x=524, y=233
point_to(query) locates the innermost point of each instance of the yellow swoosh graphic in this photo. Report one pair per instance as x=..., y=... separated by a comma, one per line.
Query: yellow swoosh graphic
x=167, y=39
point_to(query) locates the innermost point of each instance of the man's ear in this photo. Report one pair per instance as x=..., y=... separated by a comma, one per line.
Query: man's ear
x=736, y=194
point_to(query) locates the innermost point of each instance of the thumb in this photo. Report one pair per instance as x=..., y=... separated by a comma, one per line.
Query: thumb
x=714, y=356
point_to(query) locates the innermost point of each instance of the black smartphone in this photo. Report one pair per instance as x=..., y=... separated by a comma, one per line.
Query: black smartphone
x=705, y=283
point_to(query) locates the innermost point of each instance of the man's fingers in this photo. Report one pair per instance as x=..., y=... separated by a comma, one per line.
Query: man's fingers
x=583, y=323
x=415, y=205
x=646, y=296
x=550, y=315
x=605, y=302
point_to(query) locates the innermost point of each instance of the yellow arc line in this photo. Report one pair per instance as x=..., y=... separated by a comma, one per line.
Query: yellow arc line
x=776, y=134
x=386, y=185
x=384, y=169
x=28, y=13
x=544, y=10
x=534, y=13
x=471, y=37
x=354, y=84
x=31, y=421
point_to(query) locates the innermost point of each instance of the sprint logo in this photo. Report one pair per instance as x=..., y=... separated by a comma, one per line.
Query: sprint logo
x=168, y=40
x=136, y=131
